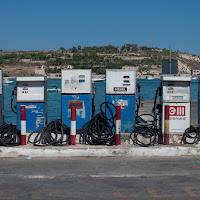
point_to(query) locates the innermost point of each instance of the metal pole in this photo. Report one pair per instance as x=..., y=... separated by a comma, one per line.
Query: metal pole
x=166, y=126
x=73, y=126
x=23, y=124
x=170, y=61
x=118, y=125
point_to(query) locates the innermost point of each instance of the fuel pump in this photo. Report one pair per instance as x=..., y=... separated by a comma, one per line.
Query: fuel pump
x=76, y=90
x=1, y=99
x=121, y=90
x=199, y=101
x=176, y=96
x=32, y=93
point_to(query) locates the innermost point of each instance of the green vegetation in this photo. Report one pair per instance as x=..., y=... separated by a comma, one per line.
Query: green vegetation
x=5, y=75
x=97, y=58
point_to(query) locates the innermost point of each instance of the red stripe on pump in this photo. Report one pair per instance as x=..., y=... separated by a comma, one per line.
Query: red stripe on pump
x=73, y=114
x=23, y=112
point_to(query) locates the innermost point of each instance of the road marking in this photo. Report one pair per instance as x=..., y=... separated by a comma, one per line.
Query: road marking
x=117, y=193
x=39, y=177
x=5, y=194
x=98, y=175
x=49, y=192
x=193, y=191
x=137, y=175
x=153, y=193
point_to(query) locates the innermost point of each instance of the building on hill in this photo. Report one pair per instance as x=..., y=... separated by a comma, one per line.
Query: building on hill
x=130, y=68
x=196, y=72
x=26, y=60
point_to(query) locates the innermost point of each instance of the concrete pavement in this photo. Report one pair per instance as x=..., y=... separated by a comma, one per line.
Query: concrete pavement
x=121, y=178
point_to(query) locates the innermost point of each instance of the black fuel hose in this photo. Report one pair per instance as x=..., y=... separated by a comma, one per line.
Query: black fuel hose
x=100, y=130
x=54, y=133
x=138, y=104
x=9, y=135
x=144, y=133
x=155, y=100
x=191, y=135
x=93, y=97
x=144, y=136
x=13, y=108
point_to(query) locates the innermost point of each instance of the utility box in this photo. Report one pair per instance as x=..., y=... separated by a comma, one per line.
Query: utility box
x=176, y=95
x=121, y=90
x=166, y=67
x=32, y=93
x=76, y=90
x=1, y=99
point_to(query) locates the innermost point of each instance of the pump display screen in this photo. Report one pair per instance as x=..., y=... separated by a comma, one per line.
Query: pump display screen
x=30, y=92
x=179, y=91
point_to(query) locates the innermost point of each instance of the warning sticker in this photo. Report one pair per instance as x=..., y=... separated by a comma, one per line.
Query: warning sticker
x=177, y=97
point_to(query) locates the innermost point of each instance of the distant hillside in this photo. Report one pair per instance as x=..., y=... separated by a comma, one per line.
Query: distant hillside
x=145, y=59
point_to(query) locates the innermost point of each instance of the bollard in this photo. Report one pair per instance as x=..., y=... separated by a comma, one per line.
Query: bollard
x=166, y=126
x=73, y=126
x=118, y=125
x=23, y=124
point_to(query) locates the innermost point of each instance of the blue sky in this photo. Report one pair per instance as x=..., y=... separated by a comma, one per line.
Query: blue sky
x=50, y=24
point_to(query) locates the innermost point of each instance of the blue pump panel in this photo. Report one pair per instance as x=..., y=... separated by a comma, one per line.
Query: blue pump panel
x=1, y=110
x=199, y=100
x=83, y=115
x=35, y=116
x=127, y=103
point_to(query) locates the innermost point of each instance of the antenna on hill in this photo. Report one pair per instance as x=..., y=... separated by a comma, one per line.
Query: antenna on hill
x=170, y=61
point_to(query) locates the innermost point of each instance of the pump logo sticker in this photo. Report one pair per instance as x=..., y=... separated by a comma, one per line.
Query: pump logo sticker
x=177, y=111
x=120, y=89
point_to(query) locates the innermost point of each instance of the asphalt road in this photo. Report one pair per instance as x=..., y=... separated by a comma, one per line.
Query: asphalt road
x=100, y=178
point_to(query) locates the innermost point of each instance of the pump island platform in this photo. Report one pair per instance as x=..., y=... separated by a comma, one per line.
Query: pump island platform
x=127, y=125
x=127, y=148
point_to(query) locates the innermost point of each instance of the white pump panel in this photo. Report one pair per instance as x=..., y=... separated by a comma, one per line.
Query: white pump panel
x=76, y=81
x=176, y=88
x=31, y=89
x=120, y=81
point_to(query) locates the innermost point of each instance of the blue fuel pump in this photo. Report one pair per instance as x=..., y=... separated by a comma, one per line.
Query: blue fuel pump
x=1, y=99
x=76, y=90
x=199, y=100
x=32, y=93
x=121, y=90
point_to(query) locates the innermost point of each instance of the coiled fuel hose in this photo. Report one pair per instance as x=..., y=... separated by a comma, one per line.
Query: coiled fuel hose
x=145, y=131
x=191, y=135
x=9, y=135
x=100, y=130
x=54, y=133
x=144, y=134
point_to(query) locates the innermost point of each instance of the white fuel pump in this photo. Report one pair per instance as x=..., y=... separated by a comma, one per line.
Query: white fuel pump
x=76, y=90
x=176, y=96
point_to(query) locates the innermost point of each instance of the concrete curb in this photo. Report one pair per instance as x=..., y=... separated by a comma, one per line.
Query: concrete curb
x=99, y=151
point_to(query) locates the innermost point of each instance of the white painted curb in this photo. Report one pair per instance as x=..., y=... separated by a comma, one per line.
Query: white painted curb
x=99, y=151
